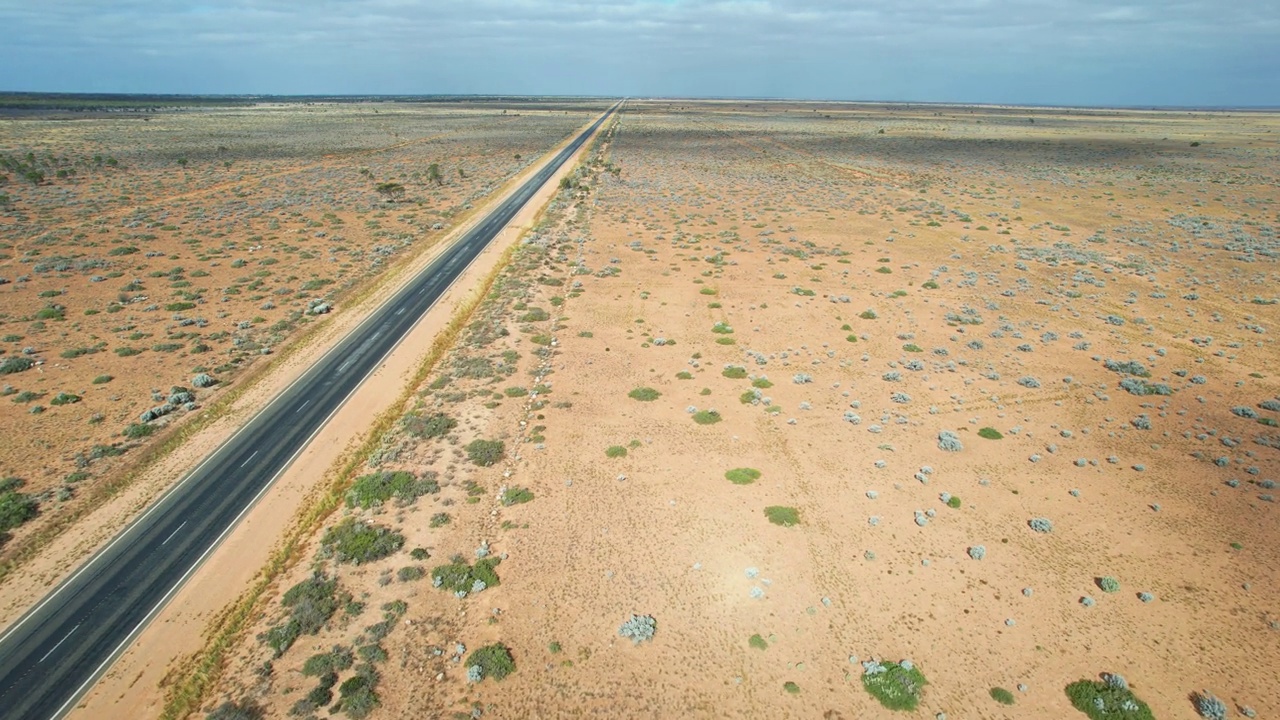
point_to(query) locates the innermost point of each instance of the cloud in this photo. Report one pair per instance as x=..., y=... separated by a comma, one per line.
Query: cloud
x=1043, y=51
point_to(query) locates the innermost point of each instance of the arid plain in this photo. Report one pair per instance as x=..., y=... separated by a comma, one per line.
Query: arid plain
x=817, y=388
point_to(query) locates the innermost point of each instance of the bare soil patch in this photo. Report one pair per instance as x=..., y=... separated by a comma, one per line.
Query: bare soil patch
x=843, y=310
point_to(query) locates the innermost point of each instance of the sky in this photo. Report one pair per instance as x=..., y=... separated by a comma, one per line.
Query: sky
x=1048, y=52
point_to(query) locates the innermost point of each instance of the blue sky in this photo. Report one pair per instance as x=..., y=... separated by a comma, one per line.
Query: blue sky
x=1078, y=52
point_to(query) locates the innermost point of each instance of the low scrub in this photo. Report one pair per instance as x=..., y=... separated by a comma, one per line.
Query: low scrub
x=460, y=577
x=428, y=426
x=1107, y=700
x=707, y=417
x=491, y=661
x=11, y=365
x=990, y=433
x=896, y=685
x=782, y=515
x=742, y=476
x=372, y=490
x=516, y=496
x=1002, y=696
x=644, y=394
x=357, y=542
x=15, y=507
x=310, y=603
x=485, y=452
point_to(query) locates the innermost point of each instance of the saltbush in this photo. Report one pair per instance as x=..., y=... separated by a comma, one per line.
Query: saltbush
x=638, y=628
x=948, y=442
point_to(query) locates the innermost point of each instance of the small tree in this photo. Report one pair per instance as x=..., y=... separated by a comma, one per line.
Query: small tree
x=392, y=191
x=433, y=174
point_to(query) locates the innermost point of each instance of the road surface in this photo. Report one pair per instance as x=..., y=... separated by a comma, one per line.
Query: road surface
x=54, y=653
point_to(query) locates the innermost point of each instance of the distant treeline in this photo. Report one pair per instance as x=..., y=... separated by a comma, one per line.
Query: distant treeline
x=112, y=102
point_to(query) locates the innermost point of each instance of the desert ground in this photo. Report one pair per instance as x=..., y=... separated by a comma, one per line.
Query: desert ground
x=777, y=396
x=155, y=258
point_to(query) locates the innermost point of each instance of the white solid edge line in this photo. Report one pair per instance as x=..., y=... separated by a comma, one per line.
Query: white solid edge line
x=93, y=678
x=168, y=493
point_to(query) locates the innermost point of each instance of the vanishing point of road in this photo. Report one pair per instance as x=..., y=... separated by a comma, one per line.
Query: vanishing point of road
x=56, y=651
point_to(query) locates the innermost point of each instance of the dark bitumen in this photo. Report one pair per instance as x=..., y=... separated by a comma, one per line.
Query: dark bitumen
x=55, y=652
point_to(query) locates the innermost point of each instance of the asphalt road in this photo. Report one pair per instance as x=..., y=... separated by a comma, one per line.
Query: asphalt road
x=55, y=652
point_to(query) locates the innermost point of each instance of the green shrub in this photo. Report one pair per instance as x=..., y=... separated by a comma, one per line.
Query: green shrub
x=409, y=573
x=27, y=396
x=11, y=365
x=896, y=687
x=357, y=695
x=742, y=476
x=791, y=687
x=357, y=542
x=990, y=433
x=615, y=451
x=953, y=502
x=644, y=394
x=929, y=285
x=513, y=392
x=429, y=426
x=125, y=351
x=761, y=383
x=102, y=379
x=179, y=306
x=136, y=431
x=494, y=661
x=310, y=603
x=757, y=642
x=15, y=507
x=51, y=312
x=782, y=515
x=72, y=353
x=706, y=417
x=912, y=347
x=440, y=519
x=1109, y=584
x=485, y=452
x=458, y=576
x=1117, y=700
x=237, y=710
x=516, y=496
x=1002, y=696
x=734, y=372
x=336, y=660
x=868, y=315
x=377, y=488
x=684, y=375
